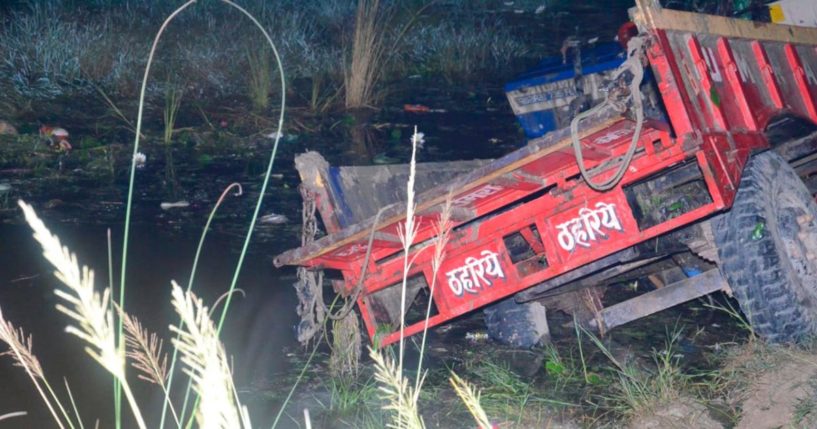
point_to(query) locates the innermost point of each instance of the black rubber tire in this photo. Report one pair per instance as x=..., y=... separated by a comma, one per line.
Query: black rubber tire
x=522, y=326
x=767, y=245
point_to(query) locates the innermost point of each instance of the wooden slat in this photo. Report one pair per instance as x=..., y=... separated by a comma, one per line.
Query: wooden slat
x=648, y=15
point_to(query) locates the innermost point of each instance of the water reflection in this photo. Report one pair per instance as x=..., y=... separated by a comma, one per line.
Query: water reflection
x=258, y=329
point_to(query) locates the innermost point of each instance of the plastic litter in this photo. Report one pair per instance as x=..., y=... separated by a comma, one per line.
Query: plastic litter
x=57, y=137
x=273, y=219
x=177, y=205
x=421, y=108
x=758, y=231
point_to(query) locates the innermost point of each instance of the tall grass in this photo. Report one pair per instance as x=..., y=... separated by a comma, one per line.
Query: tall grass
x=174, y=93
x=260, y=83
x=207, y=364
x=641, y=392
x=60, y=48
x=462, y=50
x=367, y=53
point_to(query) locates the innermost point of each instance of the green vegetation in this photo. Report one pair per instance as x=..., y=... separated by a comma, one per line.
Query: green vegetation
x=260, y=84
x=64, y=49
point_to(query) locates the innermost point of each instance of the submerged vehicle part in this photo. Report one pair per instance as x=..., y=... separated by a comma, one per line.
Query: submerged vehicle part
x=717, y=197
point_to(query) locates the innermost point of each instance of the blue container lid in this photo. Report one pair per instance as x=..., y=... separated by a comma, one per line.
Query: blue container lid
x=603, y=57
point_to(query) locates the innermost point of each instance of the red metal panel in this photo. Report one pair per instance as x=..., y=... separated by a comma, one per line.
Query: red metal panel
x=801, y=81
x=667, y=73
x=708, y=71
x=583, y=231
x=481, y=271
x=737, y=90
x=767, y=74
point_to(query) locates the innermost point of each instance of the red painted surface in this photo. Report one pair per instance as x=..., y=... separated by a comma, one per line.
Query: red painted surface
x=719, y=95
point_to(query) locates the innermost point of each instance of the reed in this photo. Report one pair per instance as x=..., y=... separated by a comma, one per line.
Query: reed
x=173, y=101
x=442, y=229
x=260, y=84
x=367, y=54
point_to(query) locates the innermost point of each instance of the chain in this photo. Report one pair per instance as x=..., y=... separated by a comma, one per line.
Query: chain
x=309, y=286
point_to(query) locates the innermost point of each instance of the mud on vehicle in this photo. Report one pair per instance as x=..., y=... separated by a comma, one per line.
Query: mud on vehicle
x=713, y=190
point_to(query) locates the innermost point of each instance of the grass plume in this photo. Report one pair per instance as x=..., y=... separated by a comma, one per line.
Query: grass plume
x=144, y=349
x=401, y=398
x=206, y=364
x=21, y=351
x=20, y=347
x=90, y=310
x=470, y=397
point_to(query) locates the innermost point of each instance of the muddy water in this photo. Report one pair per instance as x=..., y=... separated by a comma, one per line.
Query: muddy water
x=80, y=204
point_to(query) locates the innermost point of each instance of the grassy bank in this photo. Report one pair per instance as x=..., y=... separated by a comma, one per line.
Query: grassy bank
x=745, y=384
x=64, y=49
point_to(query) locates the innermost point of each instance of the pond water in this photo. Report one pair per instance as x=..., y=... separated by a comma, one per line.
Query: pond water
x=81, y=205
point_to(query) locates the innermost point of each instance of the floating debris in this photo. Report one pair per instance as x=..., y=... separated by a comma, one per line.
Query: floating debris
x=5, y=187
x=540, y=9
x=7, y=129
x=274, y=135
x=759, y=231
x=53, y=134
x=476, y=336
x=139, y=159
x=177, y=205
x=420, y=138
x=273, y=219
x=420, y=108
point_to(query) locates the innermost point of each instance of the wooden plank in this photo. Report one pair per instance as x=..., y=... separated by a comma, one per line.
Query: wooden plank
x=648, y=15
x=660, y=299
x=536, y=149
